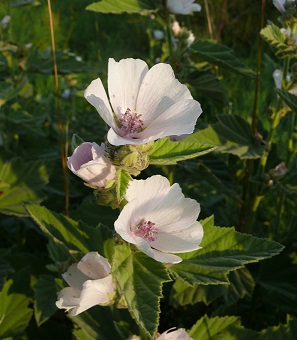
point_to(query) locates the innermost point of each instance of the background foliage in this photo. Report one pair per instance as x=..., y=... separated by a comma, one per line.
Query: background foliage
x=220, y=290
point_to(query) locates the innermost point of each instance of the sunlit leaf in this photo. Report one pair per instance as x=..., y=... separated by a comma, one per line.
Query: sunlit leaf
x=67, y=233
x=281, y=332
x=21, y=182
x=139, y=279
x=223, y=250
x=14, y=312
x=144, y=7
x=165, y=152
x=220, y=55
x=273, y=35
x=232, y=134
x=227, y=328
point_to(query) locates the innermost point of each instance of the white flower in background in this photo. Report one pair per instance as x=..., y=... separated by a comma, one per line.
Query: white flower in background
x=66, y=94
x=287, y=34
x=90, y=284
x=159, y=220
x=147, y=104
x=5, y=21
x=158, y=35
x=278, y=78
x=280, y=4
x=176, y=27
x=179, y=334
x=190, y=39
x=182, y=6
x=88, y=162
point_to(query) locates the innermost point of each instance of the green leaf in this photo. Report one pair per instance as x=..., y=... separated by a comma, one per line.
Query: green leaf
x=21, y=182
x=21, y=3
x=223, y=250
x=280, y=285
x=67, y=233
x=75, y=142
x=14, y=312
x=207, y=85
x=225, y=328
x=232, y=134
x=289, y=98
x=273, y=35
x=5, y=270
x=281, y=332
x=241, y=284
x=122, y=180
x=139, y=279
x=165, y=152
x=222, y=56
x=143, y=7
x=45, y=298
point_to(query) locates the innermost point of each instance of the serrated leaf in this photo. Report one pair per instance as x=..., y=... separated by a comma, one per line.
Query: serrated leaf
x=67, y=233
x=208, y=85
x=139, y=279
x=232, y=134
x=144, y=7
x=277, y=277
x=222, y=56
x=223, y=250
x=273, y=35
x=241, y=284
x=281, y=332
x=75, y=142
x=289, y=98
x=14, y=312
x=45, y=298
x=227, y=328
x=21, y=181
x=165, y=152
x=122, y=180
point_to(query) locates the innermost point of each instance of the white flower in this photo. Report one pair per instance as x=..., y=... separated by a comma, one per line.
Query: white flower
x=158, y=35
x=182, y=6
x=176, y=27
x=147, y=104
x=159, y=220
x=179, y=334
x=88, y=161
x=280, y=4
x=190, y=39
x=5, y=21
x=90, y=284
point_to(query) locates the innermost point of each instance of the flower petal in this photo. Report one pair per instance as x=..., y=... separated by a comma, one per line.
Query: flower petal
x=68, y=298
x=179, y=334
x=179, y=119
x=124, y=79
x=94, y=266
x=159, y=256
x=96, y=96
x=182, y=241
x=158, y=92
x=81, y=155
x=74, y=277
x=95, y=292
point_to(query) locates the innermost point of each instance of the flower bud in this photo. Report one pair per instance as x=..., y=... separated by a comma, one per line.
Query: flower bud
x=89, y=162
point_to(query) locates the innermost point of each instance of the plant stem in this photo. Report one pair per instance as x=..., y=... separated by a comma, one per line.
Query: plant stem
x=60, y=123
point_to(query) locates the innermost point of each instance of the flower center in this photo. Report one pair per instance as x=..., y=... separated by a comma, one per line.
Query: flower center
x=146, y=230
x=131, y=122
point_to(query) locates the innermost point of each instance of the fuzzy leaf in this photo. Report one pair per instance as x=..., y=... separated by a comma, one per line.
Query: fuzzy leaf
x=67, y=233
x=281, y=332
x=273, y=35
x=232, y=134
x=223, y=250
x=139, y=279
x=165, y=152
x=144, y=7
x=241, y=284
x=122, y=180
x=45, y=297
x=227, y=328
x=14, y=312
x=222, y=56
x=289, y=98
x=21, y=181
